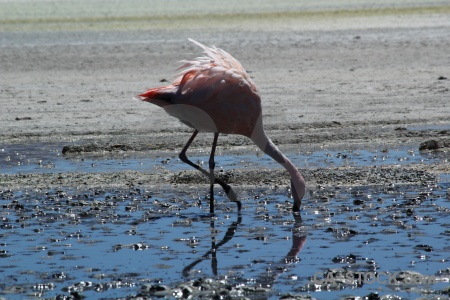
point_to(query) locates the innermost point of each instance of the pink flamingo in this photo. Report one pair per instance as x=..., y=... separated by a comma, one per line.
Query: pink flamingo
x=215, y=94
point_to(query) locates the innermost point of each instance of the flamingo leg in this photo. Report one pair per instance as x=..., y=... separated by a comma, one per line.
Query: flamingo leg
x=212, y=178
x=183, y=156
x=228, y=190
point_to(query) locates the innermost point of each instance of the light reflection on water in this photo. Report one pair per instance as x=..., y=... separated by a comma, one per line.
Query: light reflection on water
x=108, y=243
x=140, y=235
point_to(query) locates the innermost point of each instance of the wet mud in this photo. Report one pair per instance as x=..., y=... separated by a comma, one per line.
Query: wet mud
x=373, y=224
x=142, y=242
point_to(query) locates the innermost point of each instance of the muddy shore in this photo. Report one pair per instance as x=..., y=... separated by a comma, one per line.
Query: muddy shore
x=326, y=82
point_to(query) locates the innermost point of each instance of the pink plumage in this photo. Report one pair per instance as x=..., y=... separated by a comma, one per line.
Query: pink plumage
x=214, y=93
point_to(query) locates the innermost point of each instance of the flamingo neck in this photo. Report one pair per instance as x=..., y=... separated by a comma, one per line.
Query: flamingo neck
x=298, y=186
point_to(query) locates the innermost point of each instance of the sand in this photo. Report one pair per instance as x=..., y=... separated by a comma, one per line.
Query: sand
x=330, y=76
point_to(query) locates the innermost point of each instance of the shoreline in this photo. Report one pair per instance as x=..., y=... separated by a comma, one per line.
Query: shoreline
x=346, y=176
x=378, y=81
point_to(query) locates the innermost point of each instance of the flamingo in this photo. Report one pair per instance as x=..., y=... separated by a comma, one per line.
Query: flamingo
x=215, y=94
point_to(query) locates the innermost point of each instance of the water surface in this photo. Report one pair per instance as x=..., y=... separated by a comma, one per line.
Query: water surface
x=127, y=242
x=47, y=158
x=108, y=243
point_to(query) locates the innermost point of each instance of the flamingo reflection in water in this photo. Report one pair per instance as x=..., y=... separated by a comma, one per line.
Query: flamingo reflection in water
x=266, y=280
x=215, y=94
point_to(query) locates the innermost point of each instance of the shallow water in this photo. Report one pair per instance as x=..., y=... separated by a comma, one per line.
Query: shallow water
x=126, y=242
x=110, y=243
x=47, y=158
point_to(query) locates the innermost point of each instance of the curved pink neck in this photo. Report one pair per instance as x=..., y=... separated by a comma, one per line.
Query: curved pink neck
x=298, y=186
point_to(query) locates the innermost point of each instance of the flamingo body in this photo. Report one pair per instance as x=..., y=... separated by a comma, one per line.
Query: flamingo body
x=215, y=94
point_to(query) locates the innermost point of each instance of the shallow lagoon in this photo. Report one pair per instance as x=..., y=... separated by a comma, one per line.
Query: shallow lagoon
x=47, y=158
x=163, y=242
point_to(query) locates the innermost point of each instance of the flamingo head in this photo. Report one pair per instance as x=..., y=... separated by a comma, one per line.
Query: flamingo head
x=298, y=189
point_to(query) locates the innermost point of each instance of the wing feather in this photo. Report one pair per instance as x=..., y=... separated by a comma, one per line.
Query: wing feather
x=202, y=78
x=216, y=57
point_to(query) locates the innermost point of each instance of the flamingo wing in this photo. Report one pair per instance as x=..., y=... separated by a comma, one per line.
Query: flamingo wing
x=216, y=57
x=211, y=93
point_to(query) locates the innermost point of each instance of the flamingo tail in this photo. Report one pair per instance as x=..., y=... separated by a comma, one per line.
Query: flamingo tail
x=163, y=93
x=160, y=96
